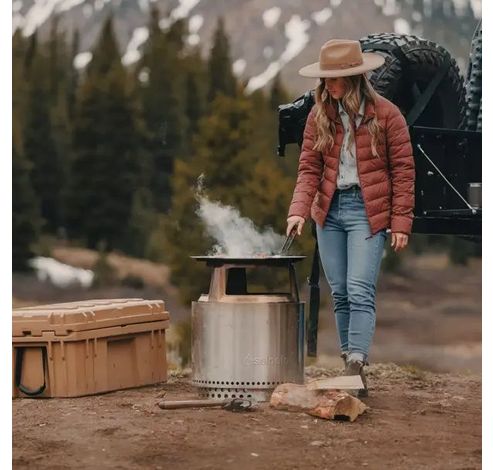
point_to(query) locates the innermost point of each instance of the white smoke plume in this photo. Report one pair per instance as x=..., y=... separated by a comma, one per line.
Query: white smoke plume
x=235, y=236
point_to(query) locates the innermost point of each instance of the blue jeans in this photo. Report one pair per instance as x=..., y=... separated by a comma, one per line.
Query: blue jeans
x=351, y=260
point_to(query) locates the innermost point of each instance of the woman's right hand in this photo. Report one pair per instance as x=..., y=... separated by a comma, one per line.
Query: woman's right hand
x=295, y=221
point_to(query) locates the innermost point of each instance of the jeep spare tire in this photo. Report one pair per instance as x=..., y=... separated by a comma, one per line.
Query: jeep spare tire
x=410, y=65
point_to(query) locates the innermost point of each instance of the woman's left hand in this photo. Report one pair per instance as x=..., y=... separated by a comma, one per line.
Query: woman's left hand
x=399, y=241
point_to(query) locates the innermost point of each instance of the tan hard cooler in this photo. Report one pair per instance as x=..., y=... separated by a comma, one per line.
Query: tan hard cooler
x=93, y=346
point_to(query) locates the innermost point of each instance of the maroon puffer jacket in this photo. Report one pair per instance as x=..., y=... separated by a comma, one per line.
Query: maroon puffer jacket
x=387, y=183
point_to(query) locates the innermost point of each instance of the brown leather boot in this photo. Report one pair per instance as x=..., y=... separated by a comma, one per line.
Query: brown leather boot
x=356, y=368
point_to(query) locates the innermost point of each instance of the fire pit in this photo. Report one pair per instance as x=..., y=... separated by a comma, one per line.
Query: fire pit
x=244, y=343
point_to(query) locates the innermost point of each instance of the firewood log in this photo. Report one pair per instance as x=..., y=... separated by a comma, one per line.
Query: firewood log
x=327, y=404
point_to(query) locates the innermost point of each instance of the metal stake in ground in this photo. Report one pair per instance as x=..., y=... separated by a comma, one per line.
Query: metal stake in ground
x=236, y=404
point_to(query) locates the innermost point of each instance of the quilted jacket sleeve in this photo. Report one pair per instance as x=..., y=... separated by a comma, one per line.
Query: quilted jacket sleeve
x=310, y=169
x=402, y=170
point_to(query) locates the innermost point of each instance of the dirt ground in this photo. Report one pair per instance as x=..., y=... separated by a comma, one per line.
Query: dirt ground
x=424, y=416
x=416, y=420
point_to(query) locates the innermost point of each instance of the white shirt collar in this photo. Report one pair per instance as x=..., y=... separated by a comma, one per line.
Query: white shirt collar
x=361, y=110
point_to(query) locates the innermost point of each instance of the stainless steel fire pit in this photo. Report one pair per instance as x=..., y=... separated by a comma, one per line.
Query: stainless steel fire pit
x=244, y=344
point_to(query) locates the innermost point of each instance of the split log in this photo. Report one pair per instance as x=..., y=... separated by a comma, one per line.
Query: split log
x=327, y=404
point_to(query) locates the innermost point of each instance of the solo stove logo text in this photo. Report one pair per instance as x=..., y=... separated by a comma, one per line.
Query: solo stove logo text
x=251, y=360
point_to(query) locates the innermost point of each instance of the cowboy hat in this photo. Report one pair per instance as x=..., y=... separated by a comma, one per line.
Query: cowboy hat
x=342, y=58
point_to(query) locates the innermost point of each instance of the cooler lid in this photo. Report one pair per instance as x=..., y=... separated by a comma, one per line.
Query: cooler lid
x=65, y=318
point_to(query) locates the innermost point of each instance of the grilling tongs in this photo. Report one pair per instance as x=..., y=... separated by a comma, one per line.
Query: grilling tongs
x=288, y=242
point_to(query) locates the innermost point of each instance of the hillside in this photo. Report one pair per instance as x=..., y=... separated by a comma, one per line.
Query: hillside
x=287, y=34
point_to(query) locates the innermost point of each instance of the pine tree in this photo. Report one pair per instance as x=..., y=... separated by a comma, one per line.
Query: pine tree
x=220, y=70
x=108, y=163
x=39, y=146
x=31, y=53
x=161, y=91
x=221, y=148
x=73, y=76
x=19, y=88
x=140, y=225
x=176, y=34
x=25, y=215
x=195, y=84
x=56, y=71
x=278, y=94
x=59, y=73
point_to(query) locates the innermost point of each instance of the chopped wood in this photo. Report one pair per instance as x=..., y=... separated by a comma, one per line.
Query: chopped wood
x=327, y=404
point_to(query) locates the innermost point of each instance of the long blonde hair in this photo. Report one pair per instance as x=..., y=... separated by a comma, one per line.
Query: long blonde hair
x=357, y=87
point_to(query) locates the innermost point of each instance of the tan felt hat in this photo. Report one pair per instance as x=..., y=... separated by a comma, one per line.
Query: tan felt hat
x=342, y=58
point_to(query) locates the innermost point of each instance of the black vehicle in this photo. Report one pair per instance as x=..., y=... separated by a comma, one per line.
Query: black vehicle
x=444, y=115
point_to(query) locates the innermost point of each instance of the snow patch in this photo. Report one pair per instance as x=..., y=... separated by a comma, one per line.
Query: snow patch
x=390, y=8
x=179, y=12
x=59, y=274
x=131, y=57
x=460, y=6
x=401, y=26
x=99, y=4
x=271, y=16
x=268, y=51
x=335, y=3
x=165, y=23
x=68, y=5
x=144, y=5
x=239, y=66
x=18, y=22
x=476, y=8
x=195, y=23
x=144, y=75
x=42, y=10
x=37, y=15
x=417, y=16
x=184, y=8
x=16, y=6
x=87, y=10
x=296, y=32
x=193, y=39
x=132, y=54
x=82, y=59
x=321, y=17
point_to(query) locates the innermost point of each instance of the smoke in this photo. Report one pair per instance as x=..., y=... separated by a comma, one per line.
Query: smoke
x=235, y=236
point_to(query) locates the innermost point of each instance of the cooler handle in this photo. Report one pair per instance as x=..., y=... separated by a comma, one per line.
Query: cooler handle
x=18, y=373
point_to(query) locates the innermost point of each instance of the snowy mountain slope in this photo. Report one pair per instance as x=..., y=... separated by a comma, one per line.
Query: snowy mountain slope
x=267, y=36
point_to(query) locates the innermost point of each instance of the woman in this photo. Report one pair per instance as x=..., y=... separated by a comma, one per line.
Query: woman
x=356, y=179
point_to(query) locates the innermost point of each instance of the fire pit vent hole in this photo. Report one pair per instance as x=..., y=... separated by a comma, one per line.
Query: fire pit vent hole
x=204, y=394
x=244, y=384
